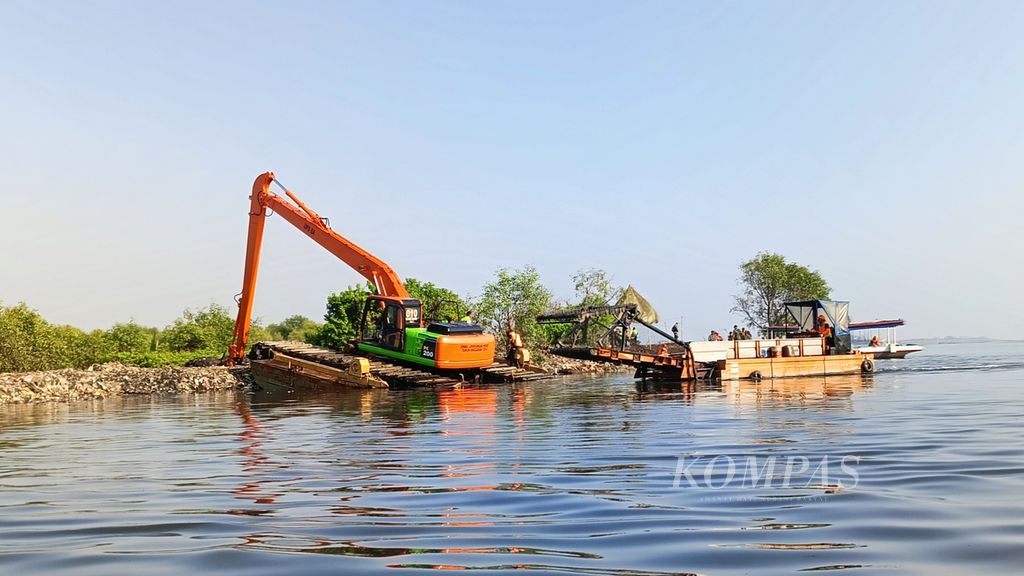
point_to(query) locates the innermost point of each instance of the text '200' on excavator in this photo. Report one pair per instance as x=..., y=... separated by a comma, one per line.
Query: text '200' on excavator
x=392, y=323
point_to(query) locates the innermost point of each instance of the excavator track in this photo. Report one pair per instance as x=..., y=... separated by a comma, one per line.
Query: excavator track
x=398, y=374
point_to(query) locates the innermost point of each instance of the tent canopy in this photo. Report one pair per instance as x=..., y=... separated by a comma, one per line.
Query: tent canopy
x=836, y=313
x=645, y=311
x=806, y=314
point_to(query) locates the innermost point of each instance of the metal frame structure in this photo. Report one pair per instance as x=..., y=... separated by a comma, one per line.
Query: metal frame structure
x=582, y=318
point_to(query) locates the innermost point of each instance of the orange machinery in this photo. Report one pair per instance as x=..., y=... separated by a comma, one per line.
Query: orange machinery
x=392, y=321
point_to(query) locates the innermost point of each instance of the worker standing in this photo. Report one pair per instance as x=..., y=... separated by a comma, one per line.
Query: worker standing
x=468, y=318
x=516, y=349
x=675, y=331
x=633, y=335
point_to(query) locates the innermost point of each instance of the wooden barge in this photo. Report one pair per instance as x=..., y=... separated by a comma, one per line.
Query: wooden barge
x=300, y=365
x=819, y=347
x=735, y=359
x=777, y=358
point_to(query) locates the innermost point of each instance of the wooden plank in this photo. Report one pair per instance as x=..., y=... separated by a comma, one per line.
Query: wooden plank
x=395, y=371
x=507, y=370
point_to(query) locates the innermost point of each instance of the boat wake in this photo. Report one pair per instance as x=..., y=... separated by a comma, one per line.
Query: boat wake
x=955, y=367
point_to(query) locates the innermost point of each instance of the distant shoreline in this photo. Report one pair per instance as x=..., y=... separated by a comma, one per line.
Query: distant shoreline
x=958, y=340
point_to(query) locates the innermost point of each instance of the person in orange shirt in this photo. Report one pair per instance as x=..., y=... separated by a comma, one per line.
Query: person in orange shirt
x=825, y=331
x=515, y=344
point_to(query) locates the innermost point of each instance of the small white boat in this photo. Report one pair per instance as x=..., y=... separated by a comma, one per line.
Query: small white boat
x=885, y=349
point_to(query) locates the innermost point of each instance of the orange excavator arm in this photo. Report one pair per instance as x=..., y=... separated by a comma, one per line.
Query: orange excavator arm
x=384, y=279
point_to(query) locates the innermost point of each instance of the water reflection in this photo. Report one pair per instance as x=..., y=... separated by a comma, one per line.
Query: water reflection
x=808, y=389
x=255, y=464
x=578, y=475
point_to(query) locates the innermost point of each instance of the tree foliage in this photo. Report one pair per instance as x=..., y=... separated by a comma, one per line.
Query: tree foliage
x=438, y=303
x=768, y=281
x=514, y=298
x=594, y=288
x=294, y=328
x=28, y=342
x=130, y=337
x=208, y=329
x=341, y=321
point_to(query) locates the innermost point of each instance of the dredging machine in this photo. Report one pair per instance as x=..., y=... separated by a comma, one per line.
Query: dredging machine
x=395, y=345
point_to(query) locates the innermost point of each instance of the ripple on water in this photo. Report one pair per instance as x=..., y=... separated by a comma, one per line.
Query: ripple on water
x=572, y=476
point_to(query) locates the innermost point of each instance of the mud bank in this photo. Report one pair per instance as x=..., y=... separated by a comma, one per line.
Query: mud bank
x=114, y=379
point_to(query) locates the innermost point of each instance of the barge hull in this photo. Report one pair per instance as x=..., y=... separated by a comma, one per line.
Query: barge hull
x=793, y=366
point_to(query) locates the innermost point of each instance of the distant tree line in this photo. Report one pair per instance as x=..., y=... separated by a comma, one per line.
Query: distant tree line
x=29, y=342
x=514, y=298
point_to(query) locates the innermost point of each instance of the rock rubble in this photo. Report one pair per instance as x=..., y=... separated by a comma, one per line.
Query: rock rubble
x=563, y=365
x=113, y=379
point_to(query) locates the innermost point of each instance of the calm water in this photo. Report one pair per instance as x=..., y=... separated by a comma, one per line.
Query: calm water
x=924, y=474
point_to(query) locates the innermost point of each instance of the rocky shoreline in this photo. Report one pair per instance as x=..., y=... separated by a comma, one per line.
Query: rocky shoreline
x=561, y=365
x=113, y=379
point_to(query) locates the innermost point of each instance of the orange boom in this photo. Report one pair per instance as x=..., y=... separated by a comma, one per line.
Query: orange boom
x=392, y=321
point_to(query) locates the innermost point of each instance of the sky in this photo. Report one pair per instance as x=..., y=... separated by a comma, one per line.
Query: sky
x=880, y=143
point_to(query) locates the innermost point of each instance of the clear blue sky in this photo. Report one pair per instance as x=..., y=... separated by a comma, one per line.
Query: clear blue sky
x=881, y=143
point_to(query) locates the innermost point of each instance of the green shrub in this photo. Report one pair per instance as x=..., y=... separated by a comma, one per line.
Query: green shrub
x=341, y=322
x=130, y=337
x=515, y=298
x=151, y=359
x=438, y=303
x=293, y=328
x=28, y=342
x=208, y=328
